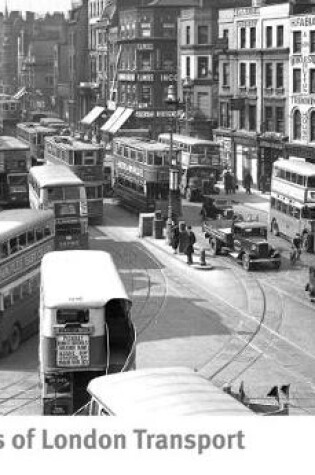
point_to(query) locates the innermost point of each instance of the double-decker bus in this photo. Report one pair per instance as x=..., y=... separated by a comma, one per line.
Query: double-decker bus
x=57, y=187
x=14, y=167
x=10, y=113
x=199, y=159
x=25, y=236
x=86, y=328
x=85, y=159
x=141, y=173
x=33, y=134
x=292, y=203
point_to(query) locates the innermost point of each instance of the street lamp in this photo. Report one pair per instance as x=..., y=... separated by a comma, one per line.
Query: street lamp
x=187, y=89
x=174, y=210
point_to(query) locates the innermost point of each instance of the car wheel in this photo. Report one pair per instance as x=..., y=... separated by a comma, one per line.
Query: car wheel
x=275, y=228
x=15, y=338
x=246, y=262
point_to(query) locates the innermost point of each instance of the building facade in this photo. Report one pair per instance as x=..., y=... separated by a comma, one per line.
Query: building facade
x=254, y=88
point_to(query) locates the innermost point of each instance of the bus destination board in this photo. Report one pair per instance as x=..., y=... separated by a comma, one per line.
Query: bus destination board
x=73, y=351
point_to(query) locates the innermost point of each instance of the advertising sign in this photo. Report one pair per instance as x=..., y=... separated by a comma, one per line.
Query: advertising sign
x=73, y=351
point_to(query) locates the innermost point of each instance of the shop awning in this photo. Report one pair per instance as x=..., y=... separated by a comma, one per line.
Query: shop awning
x=120, y=121
x=93, y=115
x=118, y=112
x=20, y=93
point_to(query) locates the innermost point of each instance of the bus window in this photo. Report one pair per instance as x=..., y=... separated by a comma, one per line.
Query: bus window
x=22, y=241
x=4, y=250
x=55, y=194
x=133, y=154
x=77, y=157
x=7, y=300
x=30, y=237
x=47, y=231
x=293, y=177
x=13, y=243
x=311, y=182
x=300, y=180
x=69, y=315
x=150, y=158
x=158, y=160
x=140, y=156
x=39, y=234
x=296, y=213
x=72, y=193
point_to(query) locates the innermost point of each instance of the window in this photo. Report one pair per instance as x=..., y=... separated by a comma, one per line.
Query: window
x=312, y=126
x=226, y=34
x=202, y=66
x=203, y=35
x=297, y=37
x=279, y=75
x=312, y=41
x=252, y=32
x=269, y=36
x=146, y=94
x=312, y=81
x=297, y=125
x=242, y=118
x=280, y=35
x=268, y=75
x=252, y=117
x=145, y=60
x=242, y=74
x=55, y=194
x=296, y=80
x=226, y=74
x=268, y=119
x=243, y=38
x=188, y=66
x=224, y=115
x=252, y=75
x=280, y=120
x=187, y=35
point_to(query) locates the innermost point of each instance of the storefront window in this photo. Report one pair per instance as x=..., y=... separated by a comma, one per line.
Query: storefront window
x=297, y=125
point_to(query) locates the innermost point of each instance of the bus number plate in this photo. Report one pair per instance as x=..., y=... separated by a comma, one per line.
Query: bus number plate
x=73, y=351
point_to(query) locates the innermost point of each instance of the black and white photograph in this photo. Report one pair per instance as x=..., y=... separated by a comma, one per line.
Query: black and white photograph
x=157, y=221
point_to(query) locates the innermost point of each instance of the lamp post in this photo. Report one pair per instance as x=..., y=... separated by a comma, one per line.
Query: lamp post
x=173, y=197
x=187, y=88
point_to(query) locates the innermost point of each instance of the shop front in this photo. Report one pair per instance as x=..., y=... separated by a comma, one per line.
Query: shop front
x=246, y=157
x=271, y=149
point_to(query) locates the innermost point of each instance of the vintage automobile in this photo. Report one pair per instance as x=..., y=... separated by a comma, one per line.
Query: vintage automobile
x=245, y=241
x=213, y=207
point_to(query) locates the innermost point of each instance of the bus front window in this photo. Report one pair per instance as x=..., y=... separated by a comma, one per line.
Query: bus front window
x=311, y=182
x=55, y=193
x=69, y=315
x=72, y=193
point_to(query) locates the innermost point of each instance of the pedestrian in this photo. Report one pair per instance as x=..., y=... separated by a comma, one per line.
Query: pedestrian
x=175, y=236
x=233, y=182
x=190, y=245
x=297, y=245
x=248, y=181
x=227, y=181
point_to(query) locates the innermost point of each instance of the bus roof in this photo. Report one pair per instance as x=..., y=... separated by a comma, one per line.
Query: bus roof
x=296, y=166
x=143, y=144
x=67, y=142
x=12, y=143
x=47, y=121
x=187, y=140
x=35, y=127
x=54, y=175
x=161, y=392
x=80, y=278
x=16, y=221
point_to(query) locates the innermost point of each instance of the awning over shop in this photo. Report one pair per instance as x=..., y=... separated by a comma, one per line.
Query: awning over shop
x=20, y=93
x=117, y=120
x=118, y=112
x=93, y=115
x=120, y=121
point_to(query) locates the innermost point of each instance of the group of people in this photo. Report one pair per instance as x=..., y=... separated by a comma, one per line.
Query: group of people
x=229, y=181
x=189, y=241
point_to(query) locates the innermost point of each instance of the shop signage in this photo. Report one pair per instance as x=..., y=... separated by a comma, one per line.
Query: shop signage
x=144, y=46
x=126, y=77
x=172, y=77
x=305, y=59
x=146, y=77
x=144, y=114
x=247, y=11
x=300, y=100
x=303, y=21
x=166, y=114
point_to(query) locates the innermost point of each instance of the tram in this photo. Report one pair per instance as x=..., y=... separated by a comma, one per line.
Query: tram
x=141, y=173
x=86, y=328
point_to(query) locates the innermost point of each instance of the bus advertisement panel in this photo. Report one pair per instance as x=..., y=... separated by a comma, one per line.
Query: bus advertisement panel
x=14, y=167
x=56, y=187
x=85, y=326
x=25, y=237
x=292, y=204
x=85, y=159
